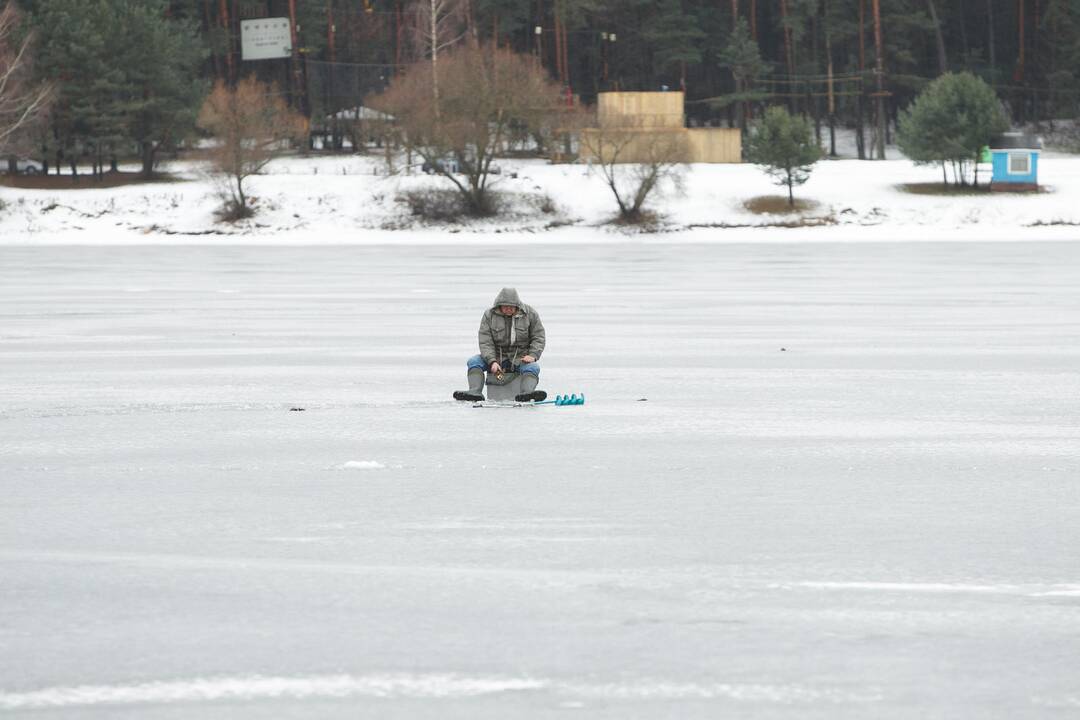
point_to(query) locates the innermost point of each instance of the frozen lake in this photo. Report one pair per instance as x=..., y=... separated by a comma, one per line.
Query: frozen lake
x=852, y=491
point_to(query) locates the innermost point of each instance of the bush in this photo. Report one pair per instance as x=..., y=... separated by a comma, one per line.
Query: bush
x=435, y=205
x=232, y=211
x=253, y=125
x=634, y=165
x=950, y=122
x=458, y=114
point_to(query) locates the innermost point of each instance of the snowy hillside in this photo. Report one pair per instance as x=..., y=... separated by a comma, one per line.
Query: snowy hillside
x=350, y=199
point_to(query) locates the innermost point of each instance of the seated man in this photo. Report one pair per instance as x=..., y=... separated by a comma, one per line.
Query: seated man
x=511, y=340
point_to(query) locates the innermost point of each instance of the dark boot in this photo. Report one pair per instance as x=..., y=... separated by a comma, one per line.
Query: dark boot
x=529, y=393
x=475, y=393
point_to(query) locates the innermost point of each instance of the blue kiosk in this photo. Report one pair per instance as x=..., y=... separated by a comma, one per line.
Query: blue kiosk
x=1016, y=162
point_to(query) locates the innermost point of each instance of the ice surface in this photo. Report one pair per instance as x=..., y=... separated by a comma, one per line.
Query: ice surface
x=851, y=491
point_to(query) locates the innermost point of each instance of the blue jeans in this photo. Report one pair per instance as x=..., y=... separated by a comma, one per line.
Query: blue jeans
x=477, y=362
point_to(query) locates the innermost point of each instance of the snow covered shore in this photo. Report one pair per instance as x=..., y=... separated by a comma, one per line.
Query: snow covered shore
x=350, y=200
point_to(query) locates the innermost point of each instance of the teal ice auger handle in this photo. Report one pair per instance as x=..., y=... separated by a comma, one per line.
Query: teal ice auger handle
x=574, y=399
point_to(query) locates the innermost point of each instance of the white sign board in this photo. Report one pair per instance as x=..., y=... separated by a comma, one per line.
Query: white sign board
x=265, y=39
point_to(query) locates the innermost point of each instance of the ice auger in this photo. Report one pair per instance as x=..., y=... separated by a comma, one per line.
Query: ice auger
x=574, y=399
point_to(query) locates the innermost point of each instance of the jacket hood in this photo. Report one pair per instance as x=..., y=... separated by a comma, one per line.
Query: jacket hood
x=508, y=296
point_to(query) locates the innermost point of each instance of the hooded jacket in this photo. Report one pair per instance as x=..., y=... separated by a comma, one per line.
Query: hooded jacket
x=505, y=338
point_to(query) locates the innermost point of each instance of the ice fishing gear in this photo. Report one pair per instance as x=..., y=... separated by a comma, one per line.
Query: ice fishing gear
x=560, y=400
x=574, y=399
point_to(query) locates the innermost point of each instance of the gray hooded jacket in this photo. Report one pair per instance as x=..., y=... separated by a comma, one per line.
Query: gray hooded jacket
x=505, y=338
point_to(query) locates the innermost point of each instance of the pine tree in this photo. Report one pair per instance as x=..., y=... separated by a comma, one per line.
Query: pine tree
x=73, y=53
x=127, y=74
x=783, y=144
x=950, y=122
x=160, y=87
x=743, y=58
x=676, y=39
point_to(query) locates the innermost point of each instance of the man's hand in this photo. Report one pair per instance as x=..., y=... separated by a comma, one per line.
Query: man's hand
x=496, y=368
x=527, y=359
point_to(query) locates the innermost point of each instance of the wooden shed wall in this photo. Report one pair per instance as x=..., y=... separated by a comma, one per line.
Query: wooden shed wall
x=715, y=145
x=640, y=110
x=699, y=145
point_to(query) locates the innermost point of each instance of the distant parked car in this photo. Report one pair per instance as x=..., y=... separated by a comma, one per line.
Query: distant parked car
x=450, y=165
x=442, y=166
x=26, y=167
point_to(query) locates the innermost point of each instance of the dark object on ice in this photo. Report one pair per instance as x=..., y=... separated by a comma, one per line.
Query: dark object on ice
x=534, y=396
x=296, y=409
x=783, y=349
x=643, y=399
x=467, y=395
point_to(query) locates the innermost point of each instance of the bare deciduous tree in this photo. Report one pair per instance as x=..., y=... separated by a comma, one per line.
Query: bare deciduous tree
x=485, y=91
x=440, y=24
x=634, y=164
x=21, y=101
x=253, y=125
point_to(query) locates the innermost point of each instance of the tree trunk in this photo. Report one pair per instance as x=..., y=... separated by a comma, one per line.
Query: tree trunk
x=399, y=29
x=208, y=22
x=566, y=53
x=831, y=89
x=223, y=16
x=860, y=100
x=435, y=57
x=789, y=61
x=880, y=73
x=146, y=149
x=1021, y=35
x=295, y=84
x=964, y=48
x=943, y=62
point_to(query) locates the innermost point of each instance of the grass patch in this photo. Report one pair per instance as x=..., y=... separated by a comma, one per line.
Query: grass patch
x=82, y=182
x=943, y=189
x=778, y=205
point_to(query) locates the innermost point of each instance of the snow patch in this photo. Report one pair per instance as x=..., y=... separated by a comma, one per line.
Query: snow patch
x=362, y=465
x=746, y=692
x=254, y=687
x=1064, y=701
x=404, y=685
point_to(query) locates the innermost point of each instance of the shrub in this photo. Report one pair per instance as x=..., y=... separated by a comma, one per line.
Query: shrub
x=483, y=94
x=950, y=122
x=253, y=126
